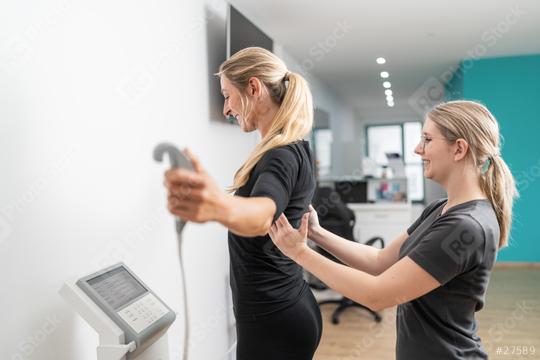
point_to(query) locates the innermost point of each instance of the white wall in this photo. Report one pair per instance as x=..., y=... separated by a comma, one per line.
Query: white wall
x=87, y=90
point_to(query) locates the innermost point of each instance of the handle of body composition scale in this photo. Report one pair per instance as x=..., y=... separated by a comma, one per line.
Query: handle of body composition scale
x=178, y=160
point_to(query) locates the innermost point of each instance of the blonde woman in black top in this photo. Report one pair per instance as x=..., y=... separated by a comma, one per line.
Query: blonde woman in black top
x=277, y=315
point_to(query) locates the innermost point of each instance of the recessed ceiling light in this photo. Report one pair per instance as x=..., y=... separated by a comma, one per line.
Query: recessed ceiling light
x=381, y=60
x=387, y=84
x=389, y=98
x=391, y=104
x=385, y=74
x=388, y=92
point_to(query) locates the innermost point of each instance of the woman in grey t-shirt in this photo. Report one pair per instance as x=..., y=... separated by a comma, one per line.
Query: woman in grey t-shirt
x=438, y=270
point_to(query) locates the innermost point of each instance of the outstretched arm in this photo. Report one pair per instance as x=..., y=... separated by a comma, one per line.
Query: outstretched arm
x=195, y=196
x=359, y=256
x=402, y=282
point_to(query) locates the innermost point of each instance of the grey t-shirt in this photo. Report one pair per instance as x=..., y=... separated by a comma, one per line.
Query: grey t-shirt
x=458, y=249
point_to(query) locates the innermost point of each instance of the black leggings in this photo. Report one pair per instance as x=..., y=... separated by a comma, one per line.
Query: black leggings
x=289, y=334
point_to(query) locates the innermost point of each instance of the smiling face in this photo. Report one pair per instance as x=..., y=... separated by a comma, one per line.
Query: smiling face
x=438, y=155
x=233, y=105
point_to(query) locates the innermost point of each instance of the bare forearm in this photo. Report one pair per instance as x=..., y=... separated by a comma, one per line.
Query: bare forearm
x=401, y=283
x=351, y=283
x=358, y=256
x=247, y=216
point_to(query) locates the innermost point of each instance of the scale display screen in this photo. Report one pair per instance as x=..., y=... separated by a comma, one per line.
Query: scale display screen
x=117, y=287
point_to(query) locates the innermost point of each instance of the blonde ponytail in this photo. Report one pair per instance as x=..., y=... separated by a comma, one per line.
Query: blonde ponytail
x=290, y=91
x=498, y=184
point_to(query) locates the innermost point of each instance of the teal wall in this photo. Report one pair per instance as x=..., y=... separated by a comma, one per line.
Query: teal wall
x=510, y=88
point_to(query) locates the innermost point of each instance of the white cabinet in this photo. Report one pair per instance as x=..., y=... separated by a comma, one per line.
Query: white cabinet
x=387, y=220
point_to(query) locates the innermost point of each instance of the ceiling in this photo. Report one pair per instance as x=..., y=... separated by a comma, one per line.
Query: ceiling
x=340, y=40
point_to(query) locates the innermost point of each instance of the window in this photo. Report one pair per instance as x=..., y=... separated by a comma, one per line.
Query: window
x=382, y=140
x=400, y=139
x=413, y=162
x=322, y=141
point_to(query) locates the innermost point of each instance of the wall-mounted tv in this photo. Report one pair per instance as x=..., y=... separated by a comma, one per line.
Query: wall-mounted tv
x=242, y=33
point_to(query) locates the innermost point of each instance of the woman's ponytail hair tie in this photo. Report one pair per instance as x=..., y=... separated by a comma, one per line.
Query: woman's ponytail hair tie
x=287, y=75
x=490, y=160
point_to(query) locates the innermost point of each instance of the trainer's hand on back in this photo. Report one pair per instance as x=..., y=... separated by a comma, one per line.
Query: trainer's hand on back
x=290, y=241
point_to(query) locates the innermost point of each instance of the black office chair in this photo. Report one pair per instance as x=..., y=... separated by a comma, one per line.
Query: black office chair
x=336, y=217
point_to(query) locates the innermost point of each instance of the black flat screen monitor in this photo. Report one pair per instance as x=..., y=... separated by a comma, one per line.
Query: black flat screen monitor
x=352, y=192
x=242, y=33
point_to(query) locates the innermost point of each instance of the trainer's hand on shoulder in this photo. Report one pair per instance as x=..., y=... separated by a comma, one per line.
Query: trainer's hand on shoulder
x=290, y=241
x=193, y=195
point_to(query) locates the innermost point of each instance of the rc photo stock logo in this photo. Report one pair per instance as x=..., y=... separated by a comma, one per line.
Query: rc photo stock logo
x=427, y=96
x=5, y=229
x=459, y=245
